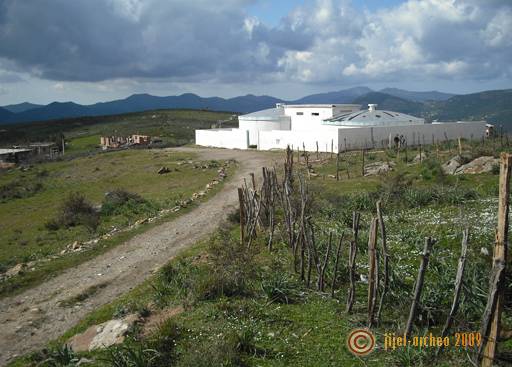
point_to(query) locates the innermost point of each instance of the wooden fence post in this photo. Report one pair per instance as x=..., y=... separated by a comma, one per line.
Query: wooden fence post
x=429, y=242
x=338, y=166
x=373, y=272
x=352, y=262
x=385, y=255
x=492, y=315
x=242, y=214
x=362, y=165
x=458, y=284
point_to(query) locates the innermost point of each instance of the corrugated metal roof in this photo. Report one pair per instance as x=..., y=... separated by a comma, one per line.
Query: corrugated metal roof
x=12, y=151
x=373, y=118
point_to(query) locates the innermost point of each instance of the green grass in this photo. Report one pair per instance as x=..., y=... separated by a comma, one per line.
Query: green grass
x=174, y=127
x=24, y=237
x=311, y=329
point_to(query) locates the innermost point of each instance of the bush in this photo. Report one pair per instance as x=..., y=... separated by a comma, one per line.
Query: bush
x=122, y=202
x=55, y=357
x=20, y=188
x=280, y=288
x=131, y=355
x=211, y=353
x=74, y=211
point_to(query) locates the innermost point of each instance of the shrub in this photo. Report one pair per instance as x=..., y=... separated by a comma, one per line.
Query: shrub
x=131, y=355
x=74, y=211
x=55, y=357
x=19, y=188
x=122, y=202
x=280, y=288
x=220, y=352
x=77, y=210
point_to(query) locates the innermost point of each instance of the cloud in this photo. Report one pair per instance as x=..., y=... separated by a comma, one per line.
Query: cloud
x=193, y=41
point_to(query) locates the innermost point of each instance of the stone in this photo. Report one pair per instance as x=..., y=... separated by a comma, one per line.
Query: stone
x=479, y=165
x=163, y=170
x=451, y=166
x=15, y=270
x=377, y=168
x=103, y=335
x=419, y=158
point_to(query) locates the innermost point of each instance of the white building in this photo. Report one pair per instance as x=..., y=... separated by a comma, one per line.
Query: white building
x=333, y=127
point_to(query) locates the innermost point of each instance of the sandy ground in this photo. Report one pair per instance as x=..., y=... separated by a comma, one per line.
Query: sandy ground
x=30, y=320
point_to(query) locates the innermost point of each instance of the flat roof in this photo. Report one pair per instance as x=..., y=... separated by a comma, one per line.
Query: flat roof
x=321, y=105
x=11, y=151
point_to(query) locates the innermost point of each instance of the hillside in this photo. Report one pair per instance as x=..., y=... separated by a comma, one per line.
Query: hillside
x=5, y=114
x=417, y=96
x=342, y=96
x=21, y=107
x=493, y=106
x=392, y=103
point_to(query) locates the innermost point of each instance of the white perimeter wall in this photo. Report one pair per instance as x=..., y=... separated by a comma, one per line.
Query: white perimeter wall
x=368, y=137
x=223, y=138
x=307, y=121
x=325, y=136
x=255, y=126
x=378, y=137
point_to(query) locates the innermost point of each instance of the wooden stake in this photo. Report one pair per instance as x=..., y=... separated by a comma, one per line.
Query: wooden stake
x=242, y=214
x=352, y=262
x=362, y=165
x=338, y=166
x=429, y=242
x=335, y=272
x=492, y=316
x=458, y=284
x=386, y=260
x=460, y=146
x=372, y=272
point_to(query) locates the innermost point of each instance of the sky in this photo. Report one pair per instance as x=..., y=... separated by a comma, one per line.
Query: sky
x=98, y=50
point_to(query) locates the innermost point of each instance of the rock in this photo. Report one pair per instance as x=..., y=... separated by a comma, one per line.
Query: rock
x=378, y=168
x=331, y=176
x=420, y=158
x=15, y=270
x=479, y=165
x=75, y=245
x=484, y=251
x=163, y=170
x=103, y=335
x=451, y=166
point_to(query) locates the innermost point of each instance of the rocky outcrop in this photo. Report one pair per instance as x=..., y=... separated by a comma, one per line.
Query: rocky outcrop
x=378, y=168
x=479, y=165
x=103, y=335
x=420, y=158
x=451, y=166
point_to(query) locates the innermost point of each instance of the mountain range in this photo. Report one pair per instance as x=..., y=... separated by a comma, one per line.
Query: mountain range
x=491, y=105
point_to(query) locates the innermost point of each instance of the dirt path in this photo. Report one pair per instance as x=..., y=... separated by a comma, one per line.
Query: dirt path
x=34, y=317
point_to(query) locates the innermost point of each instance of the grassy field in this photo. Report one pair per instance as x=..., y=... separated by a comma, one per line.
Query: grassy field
x=32, y=197
x=248, y=307
x=174, y=127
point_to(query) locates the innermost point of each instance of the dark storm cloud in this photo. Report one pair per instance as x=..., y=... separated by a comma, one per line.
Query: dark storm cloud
x=91, y=40
x=202, y=40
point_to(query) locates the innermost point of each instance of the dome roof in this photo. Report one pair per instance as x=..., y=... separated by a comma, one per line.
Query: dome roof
x=373, y=117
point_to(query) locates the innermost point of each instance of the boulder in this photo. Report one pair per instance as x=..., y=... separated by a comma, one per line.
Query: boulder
x=163, y=170
x=479, y=165
x=420, y=158
x=103, y=335
x=451, y=166
x=377, y=168
x=15, y=270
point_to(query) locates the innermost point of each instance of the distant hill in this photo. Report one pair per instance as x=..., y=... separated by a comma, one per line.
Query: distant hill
x=342, y=96
x=145, y=102
x=494, y=106
x=392, y=103
x=5, y=115
x=417, y=96
x=21, y=107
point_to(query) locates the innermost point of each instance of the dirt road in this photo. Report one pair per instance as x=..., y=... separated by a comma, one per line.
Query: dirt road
x=34, y=317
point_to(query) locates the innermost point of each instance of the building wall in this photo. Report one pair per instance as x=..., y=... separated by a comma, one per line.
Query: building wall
x=378, y=137
x=326, y=137
x=255, y=126
x=223, y=138
x=302, y=119
x=368, y=137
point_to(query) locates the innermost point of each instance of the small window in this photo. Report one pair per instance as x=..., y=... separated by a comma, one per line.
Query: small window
x=300, y=113
x=315, y=114
x=278, y=141
x=378, y=116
